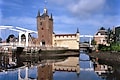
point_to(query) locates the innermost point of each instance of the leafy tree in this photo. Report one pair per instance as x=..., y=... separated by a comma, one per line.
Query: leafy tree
x=103, y=47
x=93, y=42
x=11, y=38
x=115, y=46
x=110, y=36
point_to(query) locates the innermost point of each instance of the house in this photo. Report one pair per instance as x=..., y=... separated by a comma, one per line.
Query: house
x=101, y=36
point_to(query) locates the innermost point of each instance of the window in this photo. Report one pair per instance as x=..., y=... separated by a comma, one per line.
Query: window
x=40, y=23
x=99, y=34
x=42, y=28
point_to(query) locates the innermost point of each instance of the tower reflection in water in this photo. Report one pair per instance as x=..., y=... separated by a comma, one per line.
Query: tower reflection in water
x=74, y=68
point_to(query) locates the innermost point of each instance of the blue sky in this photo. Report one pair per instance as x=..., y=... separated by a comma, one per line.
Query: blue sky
x=87, y=15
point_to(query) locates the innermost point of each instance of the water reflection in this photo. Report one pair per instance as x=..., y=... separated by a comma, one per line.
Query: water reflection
x=86, y=71
x=89, y=70
x=105, y=71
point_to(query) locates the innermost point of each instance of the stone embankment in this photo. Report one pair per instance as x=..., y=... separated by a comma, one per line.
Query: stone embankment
x=110, y=58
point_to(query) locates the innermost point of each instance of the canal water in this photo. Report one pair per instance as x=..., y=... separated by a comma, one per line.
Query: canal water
x=86, y=72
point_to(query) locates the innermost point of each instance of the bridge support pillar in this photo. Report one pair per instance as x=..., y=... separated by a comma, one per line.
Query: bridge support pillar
x=26, y=35
x=20, y=38
x=90, y=39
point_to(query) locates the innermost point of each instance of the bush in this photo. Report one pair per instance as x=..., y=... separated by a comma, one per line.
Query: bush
x=115, y=46
x=102, y=47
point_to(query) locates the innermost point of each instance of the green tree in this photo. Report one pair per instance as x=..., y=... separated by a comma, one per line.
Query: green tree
x=93, y=42
x=110, y=36
x=11, y=38
x=103, y=47
x=115, y=46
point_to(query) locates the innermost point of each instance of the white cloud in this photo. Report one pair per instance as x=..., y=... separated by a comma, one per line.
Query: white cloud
x=13, y=4
x=88, y=12
x=64, y=19
x=25, y=22
x=67, y=24
x=80, y=7
x=78, y=21
x=86, y=7
x=63, y=23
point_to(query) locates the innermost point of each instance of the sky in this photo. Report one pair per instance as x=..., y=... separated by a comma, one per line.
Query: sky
x=68, y=15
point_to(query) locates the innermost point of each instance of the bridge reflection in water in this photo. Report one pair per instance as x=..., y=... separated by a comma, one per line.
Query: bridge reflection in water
x=65, y=70
x=86, y=71
x=85, y=63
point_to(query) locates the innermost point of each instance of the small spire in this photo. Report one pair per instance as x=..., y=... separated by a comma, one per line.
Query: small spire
x=77, y=30
x=51, y=16
x=38, y=13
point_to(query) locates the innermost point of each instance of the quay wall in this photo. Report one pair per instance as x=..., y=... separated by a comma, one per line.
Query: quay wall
x=111, y=58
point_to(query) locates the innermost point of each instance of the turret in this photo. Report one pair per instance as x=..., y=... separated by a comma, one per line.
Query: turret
x=51, y=18
x=77, y=30
x=38, y=15
x=78, y=34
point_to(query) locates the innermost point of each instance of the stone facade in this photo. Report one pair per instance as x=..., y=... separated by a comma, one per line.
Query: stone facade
x=70, y=41
x=46, y=36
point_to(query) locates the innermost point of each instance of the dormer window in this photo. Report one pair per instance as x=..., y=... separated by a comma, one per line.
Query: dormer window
x=99, y=34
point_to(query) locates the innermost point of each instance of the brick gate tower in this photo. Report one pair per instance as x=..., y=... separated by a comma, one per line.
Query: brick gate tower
x=45, y=28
